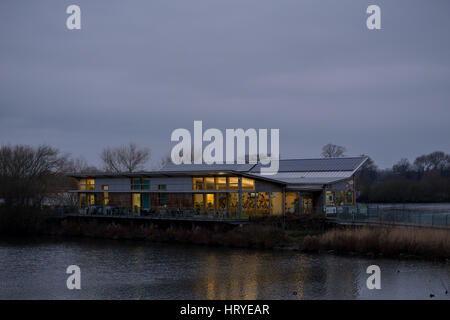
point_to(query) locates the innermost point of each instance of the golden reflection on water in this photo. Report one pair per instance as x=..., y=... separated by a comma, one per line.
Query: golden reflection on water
x=237, y=279
x=252, y=276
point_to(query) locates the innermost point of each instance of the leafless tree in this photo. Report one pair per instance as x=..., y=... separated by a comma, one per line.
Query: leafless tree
x=79, y=165
x=163, y=162
x=127, y=158
x=332, y=151
x=27, y=173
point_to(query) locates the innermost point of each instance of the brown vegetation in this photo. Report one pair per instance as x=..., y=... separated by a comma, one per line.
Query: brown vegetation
x=393, y=242
x=249, y=236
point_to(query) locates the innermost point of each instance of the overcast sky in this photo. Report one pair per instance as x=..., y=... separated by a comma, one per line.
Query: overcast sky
x=137, y=70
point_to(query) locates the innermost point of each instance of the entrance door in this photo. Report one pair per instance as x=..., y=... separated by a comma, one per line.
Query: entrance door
x=145, y=201
x=307, y=205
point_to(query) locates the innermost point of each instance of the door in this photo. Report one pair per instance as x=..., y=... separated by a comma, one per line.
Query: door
x=307, y=205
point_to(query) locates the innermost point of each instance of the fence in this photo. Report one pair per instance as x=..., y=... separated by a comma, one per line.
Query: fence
x=375, y=214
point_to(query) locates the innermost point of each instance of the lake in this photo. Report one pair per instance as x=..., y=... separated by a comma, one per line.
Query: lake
x=36, y=269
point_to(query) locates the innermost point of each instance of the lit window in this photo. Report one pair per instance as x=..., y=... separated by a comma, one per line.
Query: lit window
x=197, y=183
x=233, y=183
x=209, y=184
x=248, y=184
x=221, y=183
x=330, y=198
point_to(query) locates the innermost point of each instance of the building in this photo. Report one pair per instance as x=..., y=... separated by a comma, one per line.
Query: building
x=301, y=186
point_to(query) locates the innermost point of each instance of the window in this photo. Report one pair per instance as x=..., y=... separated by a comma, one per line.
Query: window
x=198, y=202
x=210, y=184
x=209, y=201
x=82, y=200
x=145, y=184
x=221, y=183
x=105, y=195
x=330, y=198
x=248, y=184
x=292, y=204
x=162, y=196
x=276, y=203
x=86, y=184
x=349, y=197
x=140, y=184
x=136, y=202
x=233, y=183
x=197, y=184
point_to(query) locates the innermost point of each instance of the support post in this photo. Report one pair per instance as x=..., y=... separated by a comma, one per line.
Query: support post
x=240, y=197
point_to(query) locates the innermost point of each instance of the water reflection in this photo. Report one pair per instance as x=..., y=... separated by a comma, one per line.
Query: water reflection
x=137, y=270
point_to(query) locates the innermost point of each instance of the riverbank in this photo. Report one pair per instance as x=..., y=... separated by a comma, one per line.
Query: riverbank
x=307, y=234
x=310, y=233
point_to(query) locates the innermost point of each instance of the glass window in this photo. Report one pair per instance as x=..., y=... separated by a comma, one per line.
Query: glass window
x=135, y=184
x=233, y=183
x=248, y=184
x=210, y=184
x=276, y=203
x=349, y=197
x=221, y=183
x=145, y=184
x=105, y=198
x=90, y=184
x=136, y=202
x=221, y=202
x=233, y=203
x=198, y=202
x=209, y=201
x=162, y=196
x=82, y=200
x=82, y=184
x=262, y=203
x=330, y=198
x=86, y=184
x=292, y=205
x=91, y=199
x=197, y=183
x=140, y=184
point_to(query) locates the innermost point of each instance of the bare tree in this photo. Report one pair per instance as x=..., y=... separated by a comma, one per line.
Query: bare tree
x=127, y=158
x=332, y=151
x=164, y=161
x=402, y=167
x=79, y=165
x=27, y=173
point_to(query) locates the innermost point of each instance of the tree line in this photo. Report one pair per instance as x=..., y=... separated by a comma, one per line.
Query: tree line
x=29, y=175
x=427, y=179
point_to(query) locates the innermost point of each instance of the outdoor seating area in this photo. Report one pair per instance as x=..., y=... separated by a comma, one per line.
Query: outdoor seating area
x=161, y=212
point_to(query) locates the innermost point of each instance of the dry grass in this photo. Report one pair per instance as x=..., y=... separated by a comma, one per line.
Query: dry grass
x=248, y=236
x=422, y=242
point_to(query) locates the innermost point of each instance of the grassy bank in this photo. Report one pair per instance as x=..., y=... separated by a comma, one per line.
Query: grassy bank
x=248, y=236
x=308, y=234
x=389, y=242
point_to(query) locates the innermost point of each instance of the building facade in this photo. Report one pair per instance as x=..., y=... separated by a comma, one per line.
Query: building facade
x=300, y=187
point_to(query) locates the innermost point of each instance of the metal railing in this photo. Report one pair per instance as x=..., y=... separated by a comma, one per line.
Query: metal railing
x=375, y=214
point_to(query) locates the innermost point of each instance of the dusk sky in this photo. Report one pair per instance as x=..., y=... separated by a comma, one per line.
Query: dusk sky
x=137, y=70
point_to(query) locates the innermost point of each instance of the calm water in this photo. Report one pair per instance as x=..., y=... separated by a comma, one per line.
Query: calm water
x=137, y=270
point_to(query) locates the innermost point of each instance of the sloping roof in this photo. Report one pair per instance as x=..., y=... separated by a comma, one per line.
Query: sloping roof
x=170, y=167
x=320, y=181
x=321, y=164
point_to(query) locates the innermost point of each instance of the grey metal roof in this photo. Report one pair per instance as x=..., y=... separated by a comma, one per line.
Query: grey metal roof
x=322, y=164
x=320, y=181
x=170, y=167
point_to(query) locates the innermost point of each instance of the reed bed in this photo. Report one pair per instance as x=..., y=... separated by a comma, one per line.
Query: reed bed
x=423, y=242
